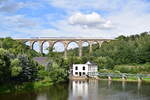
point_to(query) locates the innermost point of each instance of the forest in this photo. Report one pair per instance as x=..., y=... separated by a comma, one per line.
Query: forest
x=124, y=54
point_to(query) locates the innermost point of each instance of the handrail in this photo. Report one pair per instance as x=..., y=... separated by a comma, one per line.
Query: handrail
x=119, y=75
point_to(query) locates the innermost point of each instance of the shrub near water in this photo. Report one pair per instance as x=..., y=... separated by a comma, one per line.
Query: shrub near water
x=145, y=68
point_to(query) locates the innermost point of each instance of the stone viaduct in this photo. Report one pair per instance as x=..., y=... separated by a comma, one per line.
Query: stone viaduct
x=65, y=42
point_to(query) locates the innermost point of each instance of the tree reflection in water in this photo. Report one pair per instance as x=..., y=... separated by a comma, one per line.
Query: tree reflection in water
x=87, y=90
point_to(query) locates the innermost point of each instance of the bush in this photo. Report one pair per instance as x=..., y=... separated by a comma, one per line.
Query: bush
x=105, y=71
x=145, y=68
x=125, y=69
x=57, y=74
x=104, y=62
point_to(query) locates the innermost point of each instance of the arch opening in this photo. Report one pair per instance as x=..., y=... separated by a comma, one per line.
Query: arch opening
x=27, y=43
x=95, y=45
x=85, y=48
x=45, y=47
x=58, y=47
x=73, y=48
x=36, y=46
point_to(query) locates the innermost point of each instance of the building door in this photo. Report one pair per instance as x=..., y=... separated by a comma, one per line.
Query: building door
x=79, y=73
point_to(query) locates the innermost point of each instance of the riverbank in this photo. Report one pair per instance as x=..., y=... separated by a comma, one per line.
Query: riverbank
x=130, y=79
x=30, y=86
x=27, y=86
x=127, y=80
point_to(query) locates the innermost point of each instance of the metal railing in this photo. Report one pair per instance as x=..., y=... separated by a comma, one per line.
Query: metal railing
x=115, y=75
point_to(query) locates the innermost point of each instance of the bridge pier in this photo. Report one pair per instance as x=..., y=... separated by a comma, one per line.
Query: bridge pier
x=100, y=43
x=65, y=41
x=41, y=46
x=65, y=50
x=80, y=48
x=90, y=49
x=31, y=44
x=65, y=53
x=50, y=43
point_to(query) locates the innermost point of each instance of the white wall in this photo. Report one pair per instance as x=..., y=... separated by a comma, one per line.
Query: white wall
x=88, y=68
x=80, y=69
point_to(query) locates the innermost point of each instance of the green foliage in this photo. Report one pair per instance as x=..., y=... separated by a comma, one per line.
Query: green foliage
x=105, y=71
x=4, y=65
x=17, y=47
x=122, y=50
x=133, y=68
x=125, y=50
x=57, y=74
x=104, y=62
x=16, y=64
x=15, y=67
x=29, y=69
x=123, y=68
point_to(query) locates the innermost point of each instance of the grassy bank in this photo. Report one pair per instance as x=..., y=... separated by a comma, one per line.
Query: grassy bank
x=131, y=79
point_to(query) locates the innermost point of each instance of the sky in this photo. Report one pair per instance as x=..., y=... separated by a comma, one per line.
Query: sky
x=73, y=18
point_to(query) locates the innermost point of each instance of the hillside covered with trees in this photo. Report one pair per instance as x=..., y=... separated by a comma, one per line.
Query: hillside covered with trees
x=16, y=64
x=124, y=54
x=18, y=70
x=129, y=54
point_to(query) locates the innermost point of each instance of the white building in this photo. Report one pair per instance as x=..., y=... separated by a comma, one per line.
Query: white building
x=84, y=69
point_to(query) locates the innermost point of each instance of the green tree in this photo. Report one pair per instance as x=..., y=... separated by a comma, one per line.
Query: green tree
x=15, y=67
x=4, y=66
x=57, y=74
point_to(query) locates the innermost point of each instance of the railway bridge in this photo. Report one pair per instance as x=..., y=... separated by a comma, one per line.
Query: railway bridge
x=65, y=41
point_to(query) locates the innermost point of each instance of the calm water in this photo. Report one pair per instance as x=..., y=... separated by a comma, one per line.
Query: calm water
x=87, y=90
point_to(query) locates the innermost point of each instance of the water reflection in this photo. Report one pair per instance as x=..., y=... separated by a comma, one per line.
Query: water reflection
x=109, y=83
x=83, y=90
x=108, y=90
x=123, y=85
x=87, y=90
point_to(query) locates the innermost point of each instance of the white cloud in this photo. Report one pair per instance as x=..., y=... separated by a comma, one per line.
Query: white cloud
x=124, y=17
x=93, y=20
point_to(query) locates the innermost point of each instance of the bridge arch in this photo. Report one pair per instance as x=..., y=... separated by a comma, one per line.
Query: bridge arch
x=74, y=42
x=58, y=46
x=45, y=47
x=35, y=45
x=39, y=43
x=85, y=47
x=73, y=45
x=27, y=43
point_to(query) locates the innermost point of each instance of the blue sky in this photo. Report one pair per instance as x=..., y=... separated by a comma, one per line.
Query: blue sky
x=73, y=18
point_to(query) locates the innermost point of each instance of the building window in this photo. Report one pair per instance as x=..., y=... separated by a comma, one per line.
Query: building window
x=83, y=67
x=83, y=73
x=76, y=68
x=76, y=73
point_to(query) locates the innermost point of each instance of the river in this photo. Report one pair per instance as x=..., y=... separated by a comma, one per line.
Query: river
x=87, y=90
